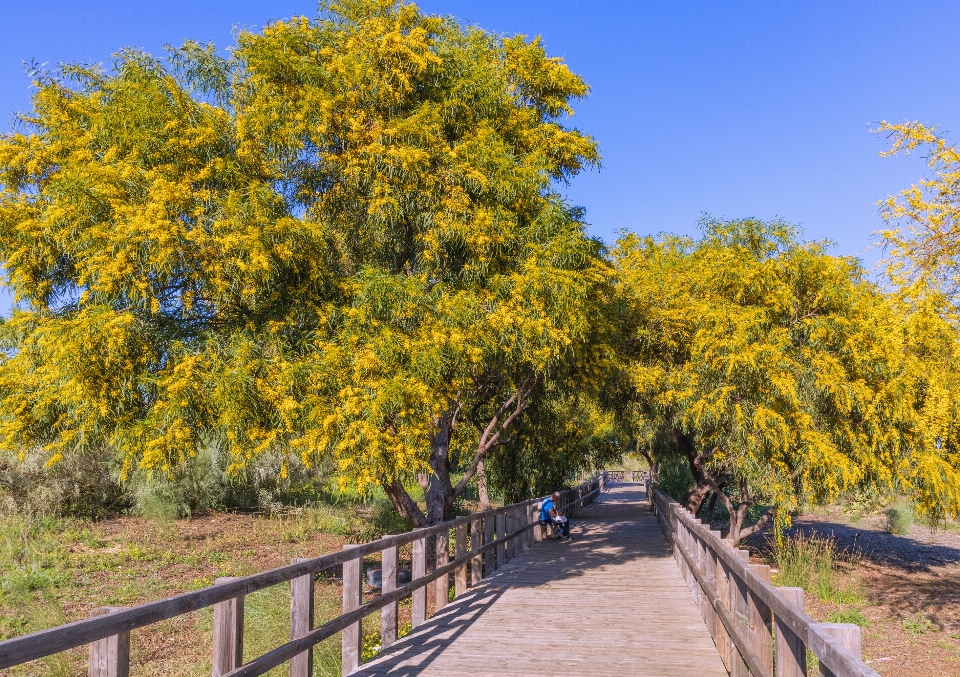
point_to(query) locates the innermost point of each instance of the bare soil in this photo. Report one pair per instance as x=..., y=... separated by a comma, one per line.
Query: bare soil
x=908, y=588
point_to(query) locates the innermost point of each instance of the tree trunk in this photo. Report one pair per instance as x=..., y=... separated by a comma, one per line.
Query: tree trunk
x=482, y=486
x=738, y=513
x=695, y=497
x=439, y=491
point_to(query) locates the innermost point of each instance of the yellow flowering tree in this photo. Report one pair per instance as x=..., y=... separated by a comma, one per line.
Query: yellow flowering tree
x=923, y=233
x=778, y=370
x=343, y=241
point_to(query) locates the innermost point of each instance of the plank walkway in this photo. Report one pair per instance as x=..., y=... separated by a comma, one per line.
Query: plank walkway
x=609, y=603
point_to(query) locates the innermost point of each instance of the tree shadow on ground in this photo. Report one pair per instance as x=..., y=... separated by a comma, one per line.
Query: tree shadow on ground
x=613, y=530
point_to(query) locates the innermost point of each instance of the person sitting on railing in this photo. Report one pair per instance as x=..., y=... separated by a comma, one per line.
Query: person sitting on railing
x=550, y=514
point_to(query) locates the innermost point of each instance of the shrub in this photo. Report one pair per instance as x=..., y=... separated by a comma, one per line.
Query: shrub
x=80, y=485
x=674, y=477
x=900, y=518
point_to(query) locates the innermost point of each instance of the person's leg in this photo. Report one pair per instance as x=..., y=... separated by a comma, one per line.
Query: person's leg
x=565, y=525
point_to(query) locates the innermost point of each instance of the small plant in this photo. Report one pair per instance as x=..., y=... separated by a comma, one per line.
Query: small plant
x=900, y=518
x=850, y=616
x=919, y=626
x=810, y=562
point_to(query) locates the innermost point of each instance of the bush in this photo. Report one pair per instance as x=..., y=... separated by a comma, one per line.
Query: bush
x=900, y=518
x=81, y=485
x=674, y=477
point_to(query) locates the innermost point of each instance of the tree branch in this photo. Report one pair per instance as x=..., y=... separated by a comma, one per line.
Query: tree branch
x=487, y=440
x=760, y=524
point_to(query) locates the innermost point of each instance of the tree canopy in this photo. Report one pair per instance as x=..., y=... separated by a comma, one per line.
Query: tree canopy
x=344, y=240
x=778, y=368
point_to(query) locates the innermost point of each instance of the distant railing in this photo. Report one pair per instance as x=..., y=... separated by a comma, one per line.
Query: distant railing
x=760, y=630
x=494, y=536
x=626, y=475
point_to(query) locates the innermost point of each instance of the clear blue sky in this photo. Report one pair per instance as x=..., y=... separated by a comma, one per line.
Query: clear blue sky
x=747, y=108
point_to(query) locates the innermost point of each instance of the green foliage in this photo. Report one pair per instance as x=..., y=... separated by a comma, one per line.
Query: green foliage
x=786, y=368
x=342, y=271
x=855, y=616
x=900, y=518
x=810, y=562
x=85, y=485
x=918, y=626
x=674, y=477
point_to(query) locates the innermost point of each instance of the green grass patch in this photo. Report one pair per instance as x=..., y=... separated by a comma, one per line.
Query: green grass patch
x=920, y=625
x=900, y=518
x=811, y=563
x=854, y=616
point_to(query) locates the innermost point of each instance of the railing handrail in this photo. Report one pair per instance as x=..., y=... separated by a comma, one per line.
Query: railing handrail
x=827, y=648
x=42, y=643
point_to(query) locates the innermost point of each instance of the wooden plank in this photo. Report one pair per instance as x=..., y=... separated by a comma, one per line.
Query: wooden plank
x=501, y=535
x=419, y=596
x=227, y=633
x=724, y=643
x=301, y=621
x=741, y=612
x=460, y=582
x=441, y=587
x=791, y=654
x=489, y=556
x=761, y=621
x=476, y=564
x=110, y=656
x=54, y=640
x=350, y=638
x=848, y=635
x=388, y=615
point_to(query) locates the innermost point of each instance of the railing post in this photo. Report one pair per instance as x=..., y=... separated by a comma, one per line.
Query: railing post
x=350, y=636
x=501, y=534
x=110, y=656
x=849, y=636
x=441, y=586
x=741, y=611
x=761, y=622
x=460, y=584
x=419, y=570
x=490, y=554
x=476, y=564
x=724, y=643
x=710, y=573
x=791, y=653
x=388, y=615
x=227, y=633
x=301, y=620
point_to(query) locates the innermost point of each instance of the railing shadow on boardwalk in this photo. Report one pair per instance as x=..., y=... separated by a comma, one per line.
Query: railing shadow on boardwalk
x=593, y=547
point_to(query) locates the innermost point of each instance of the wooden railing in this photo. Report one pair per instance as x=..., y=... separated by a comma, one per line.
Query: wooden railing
x=760, y=630
x=493, y=537
x=625, y=475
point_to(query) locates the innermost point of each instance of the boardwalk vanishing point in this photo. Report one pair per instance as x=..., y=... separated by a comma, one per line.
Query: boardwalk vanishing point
x=611, y=602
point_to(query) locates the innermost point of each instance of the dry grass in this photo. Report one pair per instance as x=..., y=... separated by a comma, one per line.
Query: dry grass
x=56, y=571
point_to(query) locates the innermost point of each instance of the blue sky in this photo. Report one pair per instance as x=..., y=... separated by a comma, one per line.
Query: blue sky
x=747, y=108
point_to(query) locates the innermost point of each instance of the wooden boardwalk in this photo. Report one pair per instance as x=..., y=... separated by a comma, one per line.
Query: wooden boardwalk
x=611, y=602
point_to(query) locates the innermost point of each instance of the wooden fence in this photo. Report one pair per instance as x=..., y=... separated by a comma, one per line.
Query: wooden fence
x=625, y=475
x=484, y=541
x=760, y=630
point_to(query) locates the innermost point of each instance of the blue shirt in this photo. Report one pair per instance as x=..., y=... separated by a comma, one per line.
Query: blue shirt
x=545, y=509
